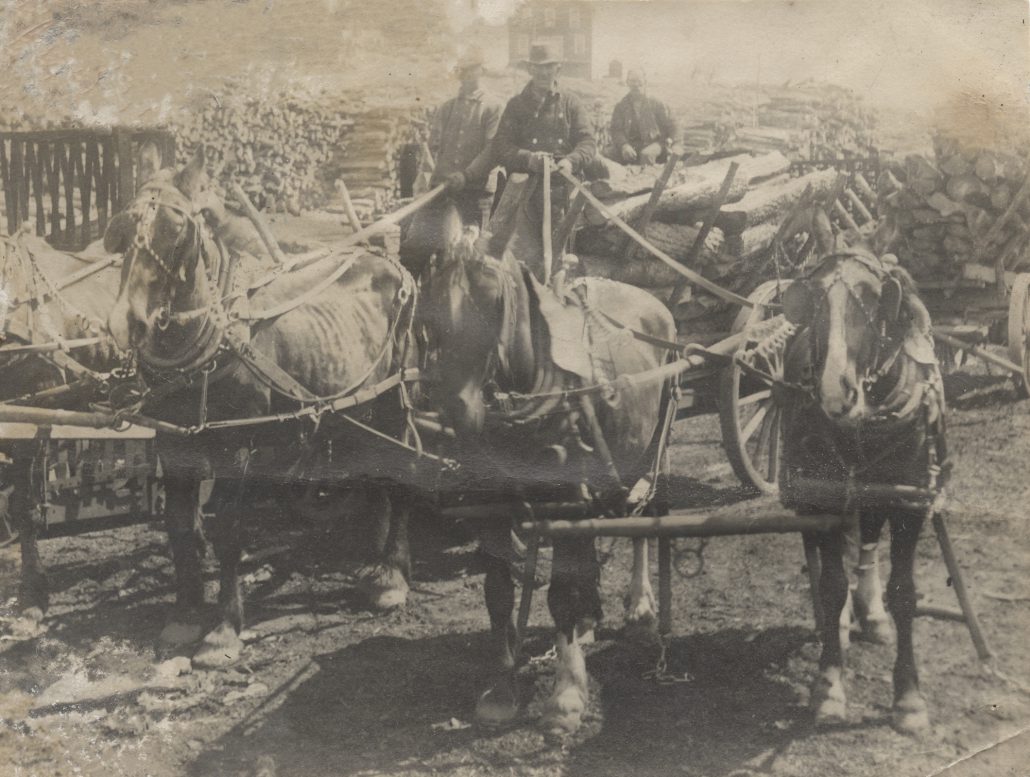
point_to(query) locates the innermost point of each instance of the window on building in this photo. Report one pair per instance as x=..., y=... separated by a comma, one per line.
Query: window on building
x=549, y=17
x=574, y=19
x=579, y=44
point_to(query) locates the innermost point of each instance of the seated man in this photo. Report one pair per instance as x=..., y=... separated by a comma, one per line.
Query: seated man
x=642, y=128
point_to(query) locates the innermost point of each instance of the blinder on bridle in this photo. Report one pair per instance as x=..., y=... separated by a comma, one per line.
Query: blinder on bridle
x=803, y=298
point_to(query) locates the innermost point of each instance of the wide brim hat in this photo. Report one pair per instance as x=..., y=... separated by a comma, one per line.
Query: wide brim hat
x=543, y=54
x=473, y=57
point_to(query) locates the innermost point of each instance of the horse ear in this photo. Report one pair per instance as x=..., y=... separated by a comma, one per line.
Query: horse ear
x=147, y=163
x=191, y=178
x=798, y=306
x=118, y=233
x=890, y=299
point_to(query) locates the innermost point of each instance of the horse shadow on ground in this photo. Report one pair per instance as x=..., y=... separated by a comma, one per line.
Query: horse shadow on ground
x=382, y=706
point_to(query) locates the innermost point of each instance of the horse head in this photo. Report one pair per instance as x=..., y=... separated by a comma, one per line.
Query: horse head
x=855, y=312
x=473, y=321
x=170, y=269
x=431, y=232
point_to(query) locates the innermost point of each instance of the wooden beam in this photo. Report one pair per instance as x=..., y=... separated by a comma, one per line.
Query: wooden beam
x=652, y=203
x=706, y=227
x=688, y=523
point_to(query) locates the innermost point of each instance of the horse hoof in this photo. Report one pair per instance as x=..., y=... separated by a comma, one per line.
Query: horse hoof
x=643, y=630
x=385, y=588
x=910, y=715
x=497, y=706
x=219, y=649
x=564, y=712
x=878, y=631
x=177, y=634
x=829, y=704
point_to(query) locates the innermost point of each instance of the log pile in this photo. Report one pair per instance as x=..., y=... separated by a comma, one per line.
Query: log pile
x=735, y=251
x=965, y=206
x=806, y=120
x=276, y=147
x=288, y=150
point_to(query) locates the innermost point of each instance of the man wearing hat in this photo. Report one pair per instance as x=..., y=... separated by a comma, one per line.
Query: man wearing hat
x=642, y=129
x=544, y=121
x=460, y=138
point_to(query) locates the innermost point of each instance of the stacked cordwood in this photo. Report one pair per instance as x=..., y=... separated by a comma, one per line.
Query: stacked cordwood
x=965, y=206
x=288, y=151
x=735, y=252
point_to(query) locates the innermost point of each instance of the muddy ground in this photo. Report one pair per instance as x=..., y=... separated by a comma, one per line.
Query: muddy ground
x=328, y=688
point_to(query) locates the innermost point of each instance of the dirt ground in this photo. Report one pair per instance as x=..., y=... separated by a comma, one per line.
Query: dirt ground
x=326, y=687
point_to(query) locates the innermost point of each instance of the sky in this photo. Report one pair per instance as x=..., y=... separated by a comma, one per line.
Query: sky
x=916, y=54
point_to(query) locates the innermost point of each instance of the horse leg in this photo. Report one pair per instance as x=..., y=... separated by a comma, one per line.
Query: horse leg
x=33, y=588
x=641, y=616
x=828, y=699
x=498, y=704
x=222, y=646
x=385, y=579
x=186, y=539
x=868, y=593
x=910, y=713
x=573, y=595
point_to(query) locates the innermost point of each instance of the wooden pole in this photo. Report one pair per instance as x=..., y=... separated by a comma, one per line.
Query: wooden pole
x=263, y=230
x=702, y=236
x=652, y=203
x=979, y=352
x=348, y=205
x=688, y=523
x=564, y=232
x=983, y=651
x=547, y=236
x=640, y=240
x=526, y=595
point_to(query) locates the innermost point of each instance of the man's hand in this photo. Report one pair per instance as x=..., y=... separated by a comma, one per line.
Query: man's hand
x=455, y=181
x=564, y=166
x=676, y=148
x=536, y=161
x=650, y=153
x=629, y=154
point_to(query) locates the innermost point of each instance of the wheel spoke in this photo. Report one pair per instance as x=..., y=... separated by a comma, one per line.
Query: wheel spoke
x=754, y=423
x=758, y=396
x=774, y=446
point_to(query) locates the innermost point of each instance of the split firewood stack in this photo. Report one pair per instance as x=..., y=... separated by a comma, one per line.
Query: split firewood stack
x=966, y=206
x=736, y=252
x=288, y=151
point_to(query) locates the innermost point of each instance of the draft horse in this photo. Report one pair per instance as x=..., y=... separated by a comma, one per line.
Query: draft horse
x=304, y=341
x=863, y=404
x=505, y=366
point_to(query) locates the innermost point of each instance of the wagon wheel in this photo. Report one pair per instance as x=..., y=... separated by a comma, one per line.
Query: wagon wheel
x=1019, y=328
x=749, y=418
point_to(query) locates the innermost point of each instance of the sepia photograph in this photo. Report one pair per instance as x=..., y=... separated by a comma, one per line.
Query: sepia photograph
x=532, y=388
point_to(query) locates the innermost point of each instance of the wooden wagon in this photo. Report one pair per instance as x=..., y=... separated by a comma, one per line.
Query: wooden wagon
x=64, y=185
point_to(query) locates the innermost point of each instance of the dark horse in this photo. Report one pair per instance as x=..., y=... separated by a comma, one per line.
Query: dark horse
x=336, y=327
x=863, y=403
x=486, y=317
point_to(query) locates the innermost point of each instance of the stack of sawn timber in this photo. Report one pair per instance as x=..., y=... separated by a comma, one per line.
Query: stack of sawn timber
x=967, y=206
x=760, y=197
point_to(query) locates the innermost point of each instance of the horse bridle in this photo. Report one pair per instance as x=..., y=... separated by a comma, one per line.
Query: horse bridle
x=205, y=345
x=887, y=348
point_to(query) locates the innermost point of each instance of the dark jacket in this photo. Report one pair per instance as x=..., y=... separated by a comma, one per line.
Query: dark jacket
x=642, y=121
x=462, y=131
x=558, y=125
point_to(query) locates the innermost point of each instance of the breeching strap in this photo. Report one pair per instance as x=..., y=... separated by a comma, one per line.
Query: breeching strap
x=686, y=272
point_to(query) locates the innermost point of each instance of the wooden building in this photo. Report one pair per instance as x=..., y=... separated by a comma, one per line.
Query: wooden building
x=565, y=24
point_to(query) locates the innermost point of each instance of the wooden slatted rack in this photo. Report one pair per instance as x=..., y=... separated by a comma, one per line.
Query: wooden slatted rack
x=69, y=182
